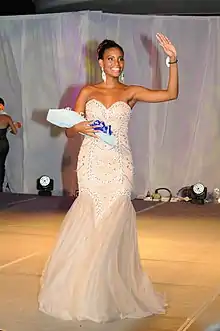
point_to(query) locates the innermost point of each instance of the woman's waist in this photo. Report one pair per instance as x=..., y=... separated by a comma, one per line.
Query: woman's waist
x=118, y=135
x=120, y=142
x=99, y=149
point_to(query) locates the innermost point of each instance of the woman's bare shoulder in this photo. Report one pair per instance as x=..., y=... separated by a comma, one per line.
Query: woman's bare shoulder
x=90, y=87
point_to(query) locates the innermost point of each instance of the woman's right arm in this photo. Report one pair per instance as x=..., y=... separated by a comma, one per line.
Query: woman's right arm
x=83, y=127
x=12, y=127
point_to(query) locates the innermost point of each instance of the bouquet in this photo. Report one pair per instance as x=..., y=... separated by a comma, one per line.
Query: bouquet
x=66, y=118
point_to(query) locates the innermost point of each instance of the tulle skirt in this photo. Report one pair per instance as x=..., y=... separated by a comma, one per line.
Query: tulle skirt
x=94, y=272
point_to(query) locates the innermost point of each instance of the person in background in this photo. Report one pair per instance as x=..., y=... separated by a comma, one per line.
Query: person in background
x=6, y=124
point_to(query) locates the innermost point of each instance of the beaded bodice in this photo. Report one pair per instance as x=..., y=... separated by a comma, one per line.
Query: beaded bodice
x=117, y=115
x=104, y=171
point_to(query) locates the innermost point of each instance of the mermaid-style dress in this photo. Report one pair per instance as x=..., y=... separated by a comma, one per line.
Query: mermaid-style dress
x=94, y=272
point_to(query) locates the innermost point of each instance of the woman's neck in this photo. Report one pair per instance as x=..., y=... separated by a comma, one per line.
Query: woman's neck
x=111, y=82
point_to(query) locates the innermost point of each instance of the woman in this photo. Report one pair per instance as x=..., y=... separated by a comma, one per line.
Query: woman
x=6, y=124
x=94, y=272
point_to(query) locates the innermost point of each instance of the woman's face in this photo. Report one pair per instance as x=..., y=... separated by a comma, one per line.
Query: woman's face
x=2, y=107
x=113, y=62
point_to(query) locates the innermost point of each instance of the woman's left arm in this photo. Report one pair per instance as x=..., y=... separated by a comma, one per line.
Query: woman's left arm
x=139, y=93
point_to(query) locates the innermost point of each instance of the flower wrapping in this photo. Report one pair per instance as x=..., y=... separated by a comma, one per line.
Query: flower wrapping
x=66, y=118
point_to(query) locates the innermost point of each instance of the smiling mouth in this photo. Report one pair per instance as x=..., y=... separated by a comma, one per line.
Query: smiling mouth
x=116, y=70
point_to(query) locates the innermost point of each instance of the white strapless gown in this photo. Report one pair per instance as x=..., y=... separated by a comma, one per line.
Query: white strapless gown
x=94, y=272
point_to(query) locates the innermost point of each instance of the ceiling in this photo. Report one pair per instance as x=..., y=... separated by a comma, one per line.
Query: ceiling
x=143, y=7
x=17, y=7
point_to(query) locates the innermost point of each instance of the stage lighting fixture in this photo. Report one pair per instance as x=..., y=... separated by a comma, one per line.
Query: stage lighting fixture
x=195, y=193
x=198, y=193
x=45, y=185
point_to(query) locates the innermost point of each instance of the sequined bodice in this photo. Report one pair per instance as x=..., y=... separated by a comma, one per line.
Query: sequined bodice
x=106, y=172
x=117, y=115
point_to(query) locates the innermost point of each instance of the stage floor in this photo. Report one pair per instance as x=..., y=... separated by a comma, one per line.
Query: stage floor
x=179, y=248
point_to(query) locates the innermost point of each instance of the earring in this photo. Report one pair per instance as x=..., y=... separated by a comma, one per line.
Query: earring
x=122, y=77
x=103, y=75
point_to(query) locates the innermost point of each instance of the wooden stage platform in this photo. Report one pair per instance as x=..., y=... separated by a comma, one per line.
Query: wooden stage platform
x=179, y=247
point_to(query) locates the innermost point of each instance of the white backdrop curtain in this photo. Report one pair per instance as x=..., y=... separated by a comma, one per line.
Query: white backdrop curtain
x=46, y=59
